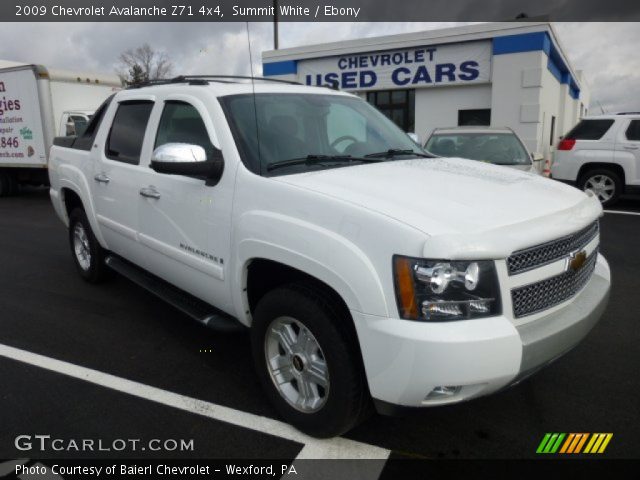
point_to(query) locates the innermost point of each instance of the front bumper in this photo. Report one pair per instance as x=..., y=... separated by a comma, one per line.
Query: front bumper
x=405, y=360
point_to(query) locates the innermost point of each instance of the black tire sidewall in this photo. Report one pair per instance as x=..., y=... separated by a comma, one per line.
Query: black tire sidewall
x=609, y=173
x=339, y=413
x=5, y=184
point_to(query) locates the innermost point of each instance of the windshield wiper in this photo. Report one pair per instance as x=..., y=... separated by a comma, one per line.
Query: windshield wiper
x=316, y=159
x=395, y=152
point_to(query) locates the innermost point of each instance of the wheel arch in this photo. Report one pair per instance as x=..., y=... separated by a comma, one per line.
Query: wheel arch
x=614, y=167
x=71, y=197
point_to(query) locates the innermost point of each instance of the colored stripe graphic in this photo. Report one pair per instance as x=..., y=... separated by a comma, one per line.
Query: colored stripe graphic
x=550, y=443
x=598, y=442
x=574, y=443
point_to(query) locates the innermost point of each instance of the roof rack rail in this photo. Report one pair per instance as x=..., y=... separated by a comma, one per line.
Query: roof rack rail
x=204, y=79
x=628, y=113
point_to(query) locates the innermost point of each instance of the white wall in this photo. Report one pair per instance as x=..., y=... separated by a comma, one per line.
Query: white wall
x=517, y=85
x=438, y=107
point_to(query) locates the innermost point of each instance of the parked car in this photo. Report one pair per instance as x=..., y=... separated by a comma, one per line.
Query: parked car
x=601, y=154
x=367, y=271
x=500, y=146
x=36, y=105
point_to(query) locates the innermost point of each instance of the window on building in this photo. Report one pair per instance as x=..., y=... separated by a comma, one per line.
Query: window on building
x=552, y=132
x=633, y=132
x=127, y=131
x=398, y=105
x=481, y=116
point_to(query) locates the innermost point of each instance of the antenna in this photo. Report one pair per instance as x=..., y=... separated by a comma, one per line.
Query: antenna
x=253, y=89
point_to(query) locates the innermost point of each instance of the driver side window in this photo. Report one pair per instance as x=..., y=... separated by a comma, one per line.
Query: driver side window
x=181, y=123
x=345, y=126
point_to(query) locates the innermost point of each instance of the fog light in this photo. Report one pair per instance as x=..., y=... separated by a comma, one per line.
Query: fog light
x=443, y=392
x=441, y=310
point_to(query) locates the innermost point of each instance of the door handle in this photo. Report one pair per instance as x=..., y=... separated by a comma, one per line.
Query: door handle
x=631, y=147
x=102, y=178
x=150, y=192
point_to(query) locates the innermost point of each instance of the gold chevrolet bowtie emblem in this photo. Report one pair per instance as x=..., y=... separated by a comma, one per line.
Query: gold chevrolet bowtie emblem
x=576, y=260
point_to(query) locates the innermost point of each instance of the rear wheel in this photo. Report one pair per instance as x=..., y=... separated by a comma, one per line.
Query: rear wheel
x=307, y=361
x=605, y=184
x=87, y=253
x=8, y=184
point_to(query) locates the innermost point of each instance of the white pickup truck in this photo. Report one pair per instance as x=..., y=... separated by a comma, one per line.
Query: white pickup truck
x=368, y=272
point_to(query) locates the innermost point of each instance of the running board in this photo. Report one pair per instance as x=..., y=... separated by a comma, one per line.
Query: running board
x=183, y=301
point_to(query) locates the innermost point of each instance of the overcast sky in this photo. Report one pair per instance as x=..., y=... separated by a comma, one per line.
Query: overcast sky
x=607, y=52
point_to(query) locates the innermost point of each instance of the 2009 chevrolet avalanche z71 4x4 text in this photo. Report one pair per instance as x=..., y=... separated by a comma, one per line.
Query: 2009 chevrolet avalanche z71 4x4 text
x=368, y=272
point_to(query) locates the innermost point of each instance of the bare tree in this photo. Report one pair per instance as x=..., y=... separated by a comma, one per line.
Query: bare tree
x=143, y=64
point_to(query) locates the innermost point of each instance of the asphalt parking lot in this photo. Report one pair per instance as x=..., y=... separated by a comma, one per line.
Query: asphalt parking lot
x=119, y=329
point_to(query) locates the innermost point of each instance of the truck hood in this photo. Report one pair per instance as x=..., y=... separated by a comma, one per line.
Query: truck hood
x=464, y=204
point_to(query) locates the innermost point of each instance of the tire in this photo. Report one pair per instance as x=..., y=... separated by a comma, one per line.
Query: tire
x=87, y=253
x=344, y=401
x=7, y=184
x=608, y=185
x=14, y=186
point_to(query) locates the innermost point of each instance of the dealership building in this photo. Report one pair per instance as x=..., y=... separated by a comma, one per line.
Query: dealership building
x=513, y=75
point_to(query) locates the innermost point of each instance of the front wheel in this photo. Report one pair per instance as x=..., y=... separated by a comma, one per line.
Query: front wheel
x=605, y=184
x=308, y=362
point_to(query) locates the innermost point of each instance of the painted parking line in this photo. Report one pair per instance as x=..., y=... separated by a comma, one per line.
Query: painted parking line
x=334, y=448
x=622, y=212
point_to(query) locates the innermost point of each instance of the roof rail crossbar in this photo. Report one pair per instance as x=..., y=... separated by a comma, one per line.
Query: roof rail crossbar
x=237, y=77
x=199, y=79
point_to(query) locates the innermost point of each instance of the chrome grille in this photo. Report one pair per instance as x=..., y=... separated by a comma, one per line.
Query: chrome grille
x=552, y=291
x=545, y=253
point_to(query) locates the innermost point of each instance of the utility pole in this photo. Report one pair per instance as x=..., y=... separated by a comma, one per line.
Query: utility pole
x=275, y=24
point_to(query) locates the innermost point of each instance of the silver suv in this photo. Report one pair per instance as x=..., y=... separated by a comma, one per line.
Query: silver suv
x=500, y=146
x=601, y=154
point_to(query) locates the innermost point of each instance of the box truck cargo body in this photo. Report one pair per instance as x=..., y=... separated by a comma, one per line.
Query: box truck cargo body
x=36, y=105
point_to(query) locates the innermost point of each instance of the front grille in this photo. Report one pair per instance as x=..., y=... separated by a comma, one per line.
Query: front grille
x=552, y=291
x=545, y=253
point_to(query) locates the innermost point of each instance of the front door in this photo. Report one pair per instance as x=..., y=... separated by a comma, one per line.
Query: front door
x=184, y=224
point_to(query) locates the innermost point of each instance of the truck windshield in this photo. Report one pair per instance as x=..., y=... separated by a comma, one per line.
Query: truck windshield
x=305, y=132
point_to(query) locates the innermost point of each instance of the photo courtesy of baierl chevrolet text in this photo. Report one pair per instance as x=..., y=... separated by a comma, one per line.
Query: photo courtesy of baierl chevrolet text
x=307, y=239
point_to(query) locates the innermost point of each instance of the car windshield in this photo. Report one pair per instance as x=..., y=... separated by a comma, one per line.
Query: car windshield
x=292, y=133
x=498, y=148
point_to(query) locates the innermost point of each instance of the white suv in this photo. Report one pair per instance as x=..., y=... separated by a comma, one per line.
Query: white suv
x=601, y=154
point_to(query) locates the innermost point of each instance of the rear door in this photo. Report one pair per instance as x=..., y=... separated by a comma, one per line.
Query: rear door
x=628, y=151
x=118, y=174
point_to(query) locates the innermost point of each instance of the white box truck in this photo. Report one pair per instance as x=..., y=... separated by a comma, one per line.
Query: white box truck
x=36, y=105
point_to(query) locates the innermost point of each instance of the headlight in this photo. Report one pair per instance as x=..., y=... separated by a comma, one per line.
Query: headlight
x=443, y=290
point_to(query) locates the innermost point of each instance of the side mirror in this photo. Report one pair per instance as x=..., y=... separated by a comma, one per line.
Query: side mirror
x=537, y=157
x=189, y=161
x=414, y=137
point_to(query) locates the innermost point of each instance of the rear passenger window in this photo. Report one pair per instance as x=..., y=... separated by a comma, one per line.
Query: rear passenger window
x=181, y=123
x=127, y=131
x=589, y=130
x=633, y=132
